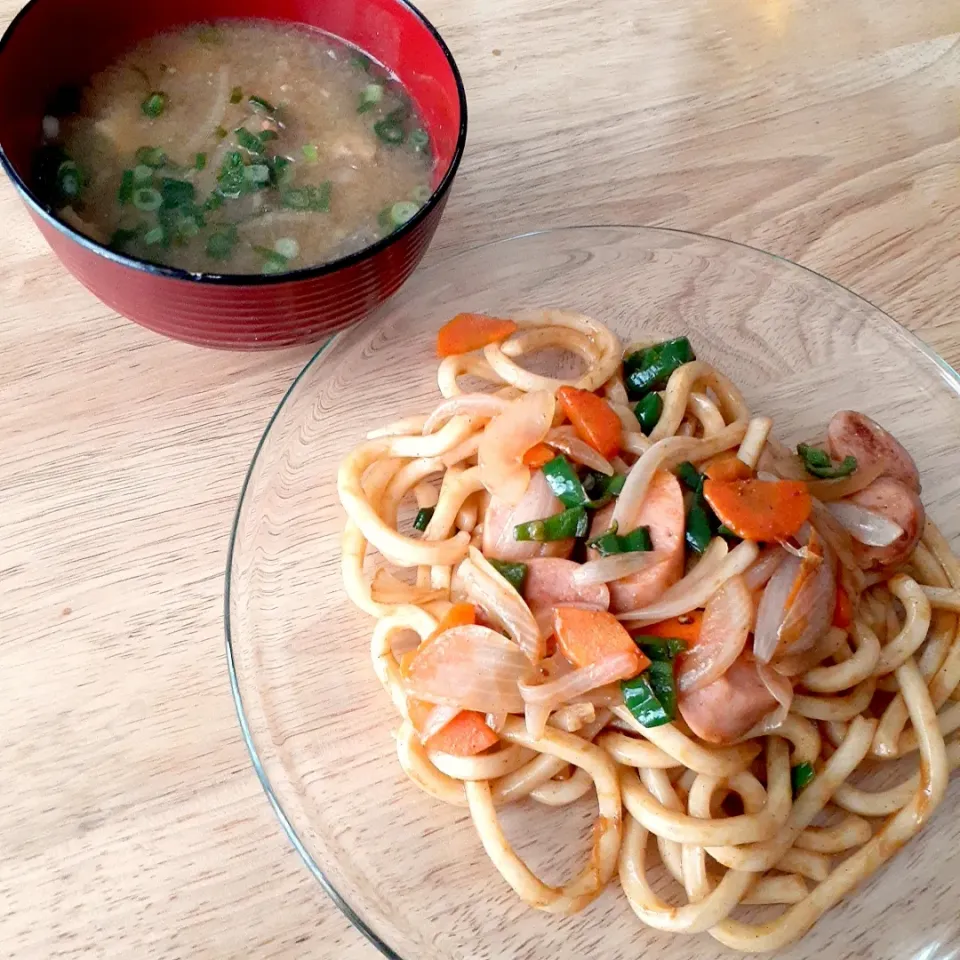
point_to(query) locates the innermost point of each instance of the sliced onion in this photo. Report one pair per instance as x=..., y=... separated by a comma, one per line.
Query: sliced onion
x=614, y=567
x=781, y=689
x=861, y=478
x=555, y=693
x=864, y=525
x=566, y=440
x=437, y=719
x=772, y=609
x=470, y=667
x=764, y=567
x=507, y=437
x=470, y=404
x=836, y=536
x=484, y=587
x=726, y=623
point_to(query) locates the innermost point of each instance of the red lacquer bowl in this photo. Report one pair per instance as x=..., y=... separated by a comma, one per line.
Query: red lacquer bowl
x=52, y=43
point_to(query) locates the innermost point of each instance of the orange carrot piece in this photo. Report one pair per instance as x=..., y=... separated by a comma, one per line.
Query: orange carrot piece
x=686, y=628
x=593, y=419
x=726, y=466
x=759, y=509
x=843, y=614
x=459, y=615
x=586, y=636
x=466, y=735
x=471, y=331
x=538, y=455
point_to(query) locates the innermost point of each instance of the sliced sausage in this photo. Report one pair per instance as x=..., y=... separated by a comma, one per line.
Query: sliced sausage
x=550, y=583
x=852, y=434
x=662, y=511
x=897, y=502
x=500, y=518
x=727, y=709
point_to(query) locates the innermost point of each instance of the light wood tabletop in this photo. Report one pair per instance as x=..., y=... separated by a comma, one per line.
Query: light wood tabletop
x=132, y=824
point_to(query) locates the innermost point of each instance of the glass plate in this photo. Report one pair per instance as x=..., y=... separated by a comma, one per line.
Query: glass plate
x=408, y=870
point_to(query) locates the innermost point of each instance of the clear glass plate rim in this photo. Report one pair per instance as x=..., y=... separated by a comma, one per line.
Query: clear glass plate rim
x=946, y=370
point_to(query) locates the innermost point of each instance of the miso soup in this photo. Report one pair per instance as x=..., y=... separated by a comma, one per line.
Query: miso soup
x=237, y=147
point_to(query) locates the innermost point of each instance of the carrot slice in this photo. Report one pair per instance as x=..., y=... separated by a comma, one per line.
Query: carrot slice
x=843, y=613
x=686, y=628
x=471, y=331
x=759, y=509
x=586, y=636
x=459, y=615
x=726, y=466
x=538, y=455
x=466, y=735
x=593, y=419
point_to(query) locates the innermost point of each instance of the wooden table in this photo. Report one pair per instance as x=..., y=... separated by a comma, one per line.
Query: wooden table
x=132, y=824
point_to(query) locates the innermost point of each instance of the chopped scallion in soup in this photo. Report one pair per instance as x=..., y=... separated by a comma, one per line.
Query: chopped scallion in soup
x=237, y=147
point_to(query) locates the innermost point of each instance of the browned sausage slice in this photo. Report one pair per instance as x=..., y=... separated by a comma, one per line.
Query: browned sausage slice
x=897, y=502
x=852, y=434
x=550, y=582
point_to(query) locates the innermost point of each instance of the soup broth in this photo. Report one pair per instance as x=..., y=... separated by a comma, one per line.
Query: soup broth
x=238, y=147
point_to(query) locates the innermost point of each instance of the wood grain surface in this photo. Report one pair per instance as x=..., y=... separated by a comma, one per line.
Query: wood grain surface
x=132, y=824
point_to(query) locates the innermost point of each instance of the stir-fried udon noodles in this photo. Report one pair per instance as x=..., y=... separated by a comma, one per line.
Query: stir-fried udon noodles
x=623, y=587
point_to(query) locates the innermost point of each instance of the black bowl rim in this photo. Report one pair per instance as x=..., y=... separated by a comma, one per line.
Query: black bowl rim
x=253, y=279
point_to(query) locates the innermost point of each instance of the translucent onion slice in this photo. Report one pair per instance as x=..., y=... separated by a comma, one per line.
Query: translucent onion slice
x=437, y=719
x=566, y=440
x=615, y=567
x=781, y=689
x=472, y=668
x=469, y=404
x=764, y=567
x=726, y=624
x=507, y=437
x=864, y=525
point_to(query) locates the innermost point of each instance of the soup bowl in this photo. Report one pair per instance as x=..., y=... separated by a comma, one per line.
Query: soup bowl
x=56, y=43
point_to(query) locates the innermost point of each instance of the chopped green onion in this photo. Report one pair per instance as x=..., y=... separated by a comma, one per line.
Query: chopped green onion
x=151, y=157
x=386, y=221
x=649, y=369
x=267, y=135
x=249, y=141
x=360, y=61
x=690, y=477
x=403, y=211
x=389, y=132
x=261, y=105
x=176, y=193
x=200, y=161
x=281, y=170
x=236, y=95
x=698, y=526
x=125, y=191
x=231, y=180
x=652, y=697
x=610, y=543
x=514, y=573
x=257, y=173
x=147, y=199
x=209, y=35
x=287, y=247
x=800, y=776
x=69, y=180
x=562, y=479
x=142, y=173
x=370, y=96
x=561, y=526
x=220, y=133
x=424, y=516
x=602, y=489
x=187, y=226
x=660, y=648
x=419, y=140
x=157, y=235
x=220, y=245
x=648, y=411
x=213, y=202
x=310, y=153
x=818, y=463
x=274, y=265
x=121, y=237
x=420, y=195
x=316, y=199
x=724, y=531
x=154, y=105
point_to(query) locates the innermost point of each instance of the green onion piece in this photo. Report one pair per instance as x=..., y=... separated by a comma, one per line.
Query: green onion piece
x=800, y=776
x=261, y=105
x=648, y=411
x=231, y=180
x=213, y=202
x=287, y=247
x=257, y=173
x=386, y=221
x=147, y=199
x=370, y=96
x=249, y=141
x=154, y=105
x=724, y=531
x=69, y=180
x=281, y=171
x=424, y=516
x=564, y=482
x=690, y=477
x=236, y=95
x=418, y=140
x=121, y=238
x=514, y=573
x=187, y=226
x=360, y=61
x=652, y=697
x=698, y=527
x=389, y=132
x=818, y=463
x=151, y=157
x=316, y=199
x=403, y=211
x=420, y=195
x=310, y=153
x=664, y=685
x=274, y=264
x=602, y=489
x=561, y=526
x=220, y=133
x=176, y=193
x=660, y=648
x=125, y=191
x=220, y=245
x=649, y=369
x=210, y=35
x=200, y=161
x=157, y=235
x=610, y=543
x=142, y=173
x=267, y=135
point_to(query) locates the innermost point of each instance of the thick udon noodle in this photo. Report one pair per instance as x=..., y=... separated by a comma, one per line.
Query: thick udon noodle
x=662, y=782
